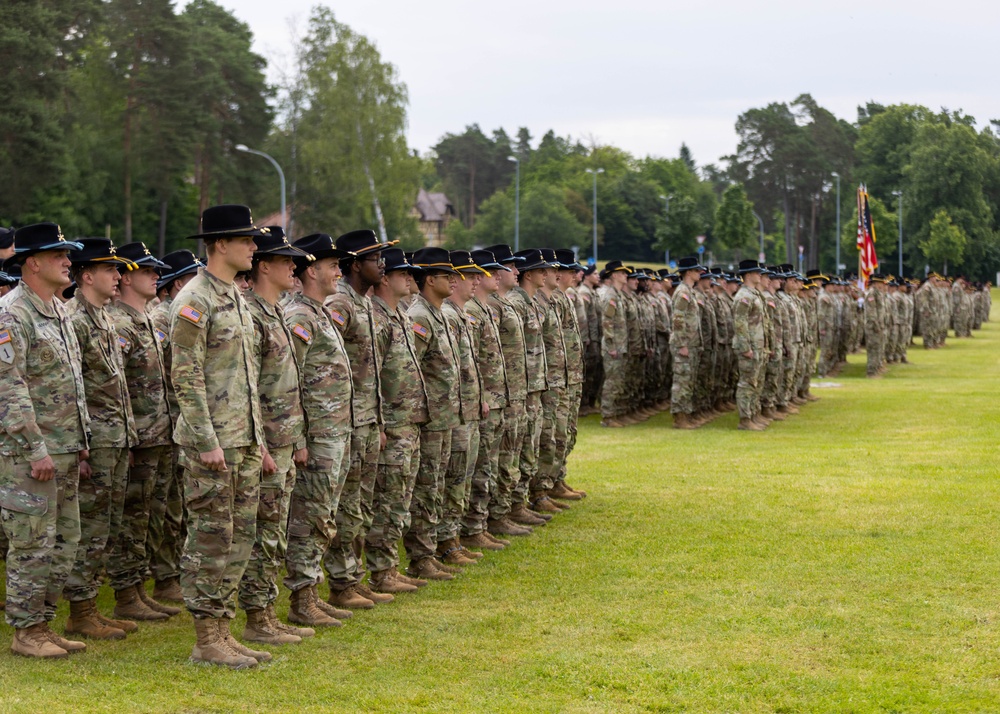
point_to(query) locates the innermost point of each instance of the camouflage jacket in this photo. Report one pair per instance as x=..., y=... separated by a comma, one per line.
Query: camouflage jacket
x=534, y=344
x=485, y=322
x=590, y=299
x=403, y=394
x=723, y=319
x=511, y=334
x=439, y=361
x=636, y=337
x=142, y=350
x=748, y=322
x=572, y=339
x=614, y=328
x=104, y=383
x=160, y=315
x=352, y=314
x=278, y=382
x=777, y=325
x=685, y=329
x=470, y=387
x=44, y=406
x=552, y=336
x=324, y=370
x=826, y=314
x=213, y=369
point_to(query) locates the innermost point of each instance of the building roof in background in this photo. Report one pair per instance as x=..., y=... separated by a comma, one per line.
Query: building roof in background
x=433, y=206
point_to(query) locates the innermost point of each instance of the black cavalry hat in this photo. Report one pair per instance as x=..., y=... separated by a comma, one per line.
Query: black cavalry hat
x=139, y=254
x=433, y=260
x=485, y=259
x=6, y=237
x=567, y=260
x=395, y=259
x=816, y=275
x=99, y=250
x=534, y=259
x=227, y=221
x=36, y=238
x=362, y=242
x=688, y=263
x=179, y=263
x=462, y=261
x=275, y=242
x=316, y=247
x=750, y=266
x=614, y=265
x=503, y=254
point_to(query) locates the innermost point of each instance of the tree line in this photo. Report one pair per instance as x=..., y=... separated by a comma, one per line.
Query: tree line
x=124, y=116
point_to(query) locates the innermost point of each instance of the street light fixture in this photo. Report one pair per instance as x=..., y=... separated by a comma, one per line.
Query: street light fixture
x=595, y=172
x=837, y=267
x=899, y=195
x=517, y=201
x=281, y=174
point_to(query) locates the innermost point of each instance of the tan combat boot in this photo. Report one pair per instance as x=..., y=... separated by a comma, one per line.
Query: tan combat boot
x=499, y=541
x=384, y=581
x=259, y=628
x=505, y=526
x=84, y=621
x=125, y=626
x=129, y=606
x=543, y=504
x=149, y=602
x=169, y=590
x=523, y=516
x=581, y=494
x=378, y=598
x=226, y=635
x=749, y=425
x=304, y=611
x=425, y=569
x=683, y=421
x=71, y=646
x=209, y=647
x=34, y=642
x=350, y=599
x=480, y=540
x=450, y=553
x=778, y=414
x=335, y=612
x=404, y=578
x=561, y=491
x=301, y=632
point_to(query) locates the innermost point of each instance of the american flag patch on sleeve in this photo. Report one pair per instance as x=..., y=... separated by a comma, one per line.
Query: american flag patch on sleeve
x=4, y=337
x=420, y=329
x=161, y=335
x=337, y=317
x=190, y=314
x=122, y=342
x=302, y=333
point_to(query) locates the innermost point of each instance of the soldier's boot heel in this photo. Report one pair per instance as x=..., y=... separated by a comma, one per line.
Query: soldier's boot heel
x=210, y=648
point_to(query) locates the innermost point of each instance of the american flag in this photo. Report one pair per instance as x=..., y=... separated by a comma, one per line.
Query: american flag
x=867, y=260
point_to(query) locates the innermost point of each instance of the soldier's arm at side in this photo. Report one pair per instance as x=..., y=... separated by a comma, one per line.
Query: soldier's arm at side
x=17, y=413
x=188, y=349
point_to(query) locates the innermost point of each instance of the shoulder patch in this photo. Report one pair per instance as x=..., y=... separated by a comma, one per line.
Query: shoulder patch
x=160, y=335
x=420, y=329
x=686, y=297
x=612, y=303
x=744, y=301
x=338, y=317
x=302, y=333
x=473, y=320
x=771, y=303
x=190, y=314
x=122, y=342
x=4, y=337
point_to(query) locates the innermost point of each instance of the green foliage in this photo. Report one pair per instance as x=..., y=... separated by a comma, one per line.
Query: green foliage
x=945, y=243
x=735, y=225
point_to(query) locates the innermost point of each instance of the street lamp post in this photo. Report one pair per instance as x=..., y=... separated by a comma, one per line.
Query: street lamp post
x=595, y=172
x=281, y=174
x=837, y=266
x=517, y=202
x=666, y=212
x=760, y=222
x=899, y=195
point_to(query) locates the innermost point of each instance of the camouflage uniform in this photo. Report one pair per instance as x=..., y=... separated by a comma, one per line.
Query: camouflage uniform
x=826, y=315
x=511, y=335
x=875, y=329
x=167, y=530
x=142, y=352
x=439, y=361
x=774, y=374
x=404, y=410
x=284, y=431
x=685, y=332
x=534, y=347
x=327, y=396
x=614, y=331
x=102, y=496
x=552, y=439
x=590, y=329
x=484, y=321
x=352, y=314
x=215, y=380
x=43, y=413
x=570, y=406
x=748, y=336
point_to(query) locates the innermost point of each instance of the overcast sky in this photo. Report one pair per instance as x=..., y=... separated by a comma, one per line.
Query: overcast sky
x=646, y=76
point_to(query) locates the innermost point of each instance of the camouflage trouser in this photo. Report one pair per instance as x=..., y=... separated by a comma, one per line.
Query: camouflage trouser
x=789, y=366
x=748, y=388
x=259, y=586
x=552, y=441
x=704, y=380
x=102, y=500
x=312, y=510
x=592, y=375
x=508, y=463
x=42, y=522
x=875, y=348
x=572, y=416
x=394, y=479
x=685, y=374
x=420, y=539
x=458, y=479
x=127, y=553
x=343, y=560
x=165, y=539
x=774, y=379
x=528, y=456
x=806, y=368
x=483, y=483
x=614, y=388
x=827, y=353
x=222, y=517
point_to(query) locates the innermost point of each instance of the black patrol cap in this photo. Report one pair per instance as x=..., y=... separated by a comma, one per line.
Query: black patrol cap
x=138, y=253
x=227, y=221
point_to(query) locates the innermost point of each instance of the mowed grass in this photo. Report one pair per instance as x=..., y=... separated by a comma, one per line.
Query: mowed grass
x=842, y=561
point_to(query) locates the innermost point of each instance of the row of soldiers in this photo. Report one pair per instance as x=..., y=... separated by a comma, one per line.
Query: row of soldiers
x=169, y=421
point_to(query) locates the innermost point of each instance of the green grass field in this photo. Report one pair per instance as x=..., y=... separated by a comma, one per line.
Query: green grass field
x=842, y=561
